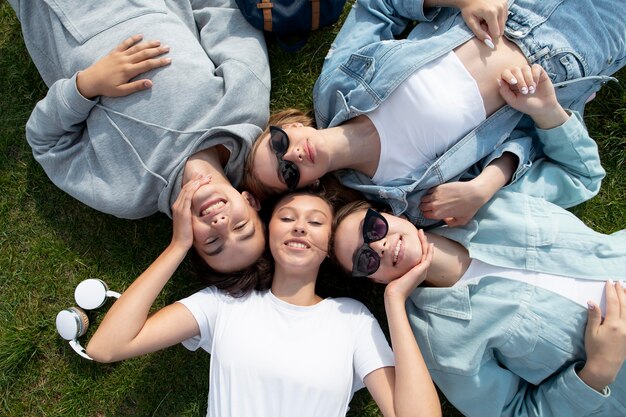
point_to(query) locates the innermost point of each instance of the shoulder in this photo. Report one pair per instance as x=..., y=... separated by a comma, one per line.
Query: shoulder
x=349, y=307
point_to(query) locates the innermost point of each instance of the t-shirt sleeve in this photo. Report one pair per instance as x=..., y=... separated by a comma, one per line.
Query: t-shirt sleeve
x=204, y=306
x=371, y=350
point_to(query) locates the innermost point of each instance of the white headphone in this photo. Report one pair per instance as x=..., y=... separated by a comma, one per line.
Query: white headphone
x=73, y=322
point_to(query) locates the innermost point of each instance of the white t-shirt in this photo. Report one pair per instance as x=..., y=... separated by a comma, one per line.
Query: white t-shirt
x=271, y=358
x=425, y=116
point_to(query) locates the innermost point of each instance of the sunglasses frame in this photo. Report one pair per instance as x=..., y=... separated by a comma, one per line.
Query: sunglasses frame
x=365, y=248
x=282, y=164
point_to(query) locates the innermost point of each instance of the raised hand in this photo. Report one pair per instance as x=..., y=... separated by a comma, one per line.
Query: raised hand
x=605, y=341
x=182, y=235
x=486, y=18
x=405, y=285
x=454, y=202
x=529, y=89
x=110, y=76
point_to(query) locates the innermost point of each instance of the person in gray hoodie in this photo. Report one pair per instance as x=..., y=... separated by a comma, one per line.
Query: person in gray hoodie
x=180, y=98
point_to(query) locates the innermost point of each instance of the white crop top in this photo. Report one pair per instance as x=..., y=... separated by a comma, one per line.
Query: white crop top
x=576, y=289
x=425, y=116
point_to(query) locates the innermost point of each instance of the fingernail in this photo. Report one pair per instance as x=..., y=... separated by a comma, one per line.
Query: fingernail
x=166, y=47
x=590, y=306
x=499, y=82
x=524, y=90
x=531, y=89
x=168, y=60
x=610, y=281
x=513, y=81
x=147, y=84
x=489, y=43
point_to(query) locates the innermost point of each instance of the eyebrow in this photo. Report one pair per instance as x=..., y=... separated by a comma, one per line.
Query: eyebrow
x=240, y=238
x=307, y=212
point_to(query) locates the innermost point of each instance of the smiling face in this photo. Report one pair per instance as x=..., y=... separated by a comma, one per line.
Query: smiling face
x=399, y=250
x=228, y=233
x=306, y=149
x=299, y=232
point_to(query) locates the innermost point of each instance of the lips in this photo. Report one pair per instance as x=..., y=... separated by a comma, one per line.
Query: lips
x=212, y=207
x=310, y=151
x=398, y=251
x=297, y=244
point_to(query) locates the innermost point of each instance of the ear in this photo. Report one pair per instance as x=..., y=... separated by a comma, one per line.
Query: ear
x=252, y=200
x=288, y=125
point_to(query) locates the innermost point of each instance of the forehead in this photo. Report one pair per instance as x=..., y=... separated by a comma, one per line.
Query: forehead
x=349, y=236
x=265, y=166
x=304, y=202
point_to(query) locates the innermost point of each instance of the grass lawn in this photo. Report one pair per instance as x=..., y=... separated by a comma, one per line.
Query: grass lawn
x=50, y=242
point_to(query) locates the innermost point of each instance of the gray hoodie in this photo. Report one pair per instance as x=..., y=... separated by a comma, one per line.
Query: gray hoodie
x=125, y=156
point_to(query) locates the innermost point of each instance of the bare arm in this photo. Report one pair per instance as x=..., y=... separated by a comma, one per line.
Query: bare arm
x=127, y=330
x=407, y=389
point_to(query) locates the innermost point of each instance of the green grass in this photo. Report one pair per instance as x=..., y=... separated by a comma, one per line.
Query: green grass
x=50, y=242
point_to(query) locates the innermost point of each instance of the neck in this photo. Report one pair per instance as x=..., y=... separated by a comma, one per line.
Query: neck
x=355, y=145
x=295, y=287
x=450, y=261
x=208, y=161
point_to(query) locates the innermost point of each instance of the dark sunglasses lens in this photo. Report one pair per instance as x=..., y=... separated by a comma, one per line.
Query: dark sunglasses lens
x=291, y=175
x=367, y=262
x=375, y=228
x=279, y=141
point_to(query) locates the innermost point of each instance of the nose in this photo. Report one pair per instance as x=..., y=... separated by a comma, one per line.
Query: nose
x=299, y=229
x=219, y=222
x=294, y=154
x=379, y=246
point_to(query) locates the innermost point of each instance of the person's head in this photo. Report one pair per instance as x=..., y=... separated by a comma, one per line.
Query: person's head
x=290, y=154
x=299, y=231
x=370, y=243
x=228, y=234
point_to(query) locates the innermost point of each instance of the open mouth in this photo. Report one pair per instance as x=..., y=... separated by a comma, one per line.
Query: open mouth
x=212, y=207
x=297, y=244
x=397, y=251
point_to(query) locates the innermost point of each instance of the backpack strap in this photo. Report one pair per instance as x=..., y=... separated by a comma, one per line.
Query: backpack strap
x=266, y=7
x=315, y=14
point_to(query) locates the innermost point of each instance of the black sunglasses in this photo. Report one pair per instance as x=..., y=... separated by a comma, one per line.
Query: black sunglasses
x=366, y=261
x=287, y=170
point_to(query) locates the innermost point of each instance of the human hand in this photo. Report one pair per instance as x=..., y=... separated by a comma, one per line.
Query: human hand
x=529, y=89
x=605, y=341
x=110, y=76
x=182, y=234
x=401, y=288
x=455, y=203
x=486, y=18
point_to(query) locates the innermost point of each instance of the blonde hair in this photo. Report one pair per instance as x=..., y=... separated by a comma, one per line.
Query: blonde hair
x=252, y=184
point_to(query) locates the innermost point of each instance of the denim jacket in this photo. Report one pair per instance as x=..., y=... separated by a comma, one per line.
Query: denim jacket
x=366, y=63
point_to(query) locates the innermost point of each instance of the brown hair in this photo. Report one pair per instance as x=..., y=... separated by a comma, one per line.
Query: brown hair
x=250, y=182
x=257, y=276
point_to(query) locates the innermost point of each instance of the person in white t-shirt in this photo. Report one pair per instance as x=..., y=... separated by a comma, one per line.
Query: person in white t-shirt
x=283, y=351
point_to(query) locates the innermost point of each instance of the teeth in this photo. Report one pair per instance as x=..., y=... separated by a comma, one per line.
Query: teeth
x=397, y=251
x=212, y=207
x=297, y=245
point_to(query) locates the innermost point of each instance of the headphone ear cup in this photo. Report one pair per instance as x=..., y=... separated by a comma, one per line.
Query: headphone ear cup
x=72, y=323
x=91, y=294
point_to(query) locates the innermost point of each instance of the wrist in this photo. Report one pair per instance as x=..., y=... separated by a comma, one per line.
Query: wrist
x=551, y=119
x=596, y=376
x=83, y=85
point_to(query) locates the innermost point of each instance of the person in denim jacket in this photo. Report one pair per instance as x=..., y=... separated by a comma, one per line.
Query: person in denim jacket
x=502, y=320
x=577, y=43
x=182, y=95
